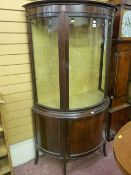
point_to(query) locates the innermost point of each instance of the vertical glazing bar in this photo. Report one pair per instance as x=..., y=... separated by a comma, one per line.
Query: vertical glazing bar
x=101, y=58
x=108, y=54
x=63, y=61
x=32, y=59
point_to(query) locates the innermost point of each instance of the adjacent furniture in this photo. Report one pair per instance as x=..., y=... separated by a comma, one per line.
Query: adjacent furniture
x=119, y=68
x=5, y=159
x=122, y=149
x=129, y=87
x=69, y=46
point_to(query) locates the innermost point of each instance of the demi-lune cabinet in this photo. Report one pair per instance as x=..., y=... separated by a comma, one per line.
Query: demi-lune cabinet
x=69, y=46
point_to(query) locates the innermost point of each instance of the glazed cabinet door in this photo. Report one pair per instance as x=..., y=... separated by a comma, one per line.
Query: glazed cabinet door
x=121, y=75
x=87, y=60
x=46, y=59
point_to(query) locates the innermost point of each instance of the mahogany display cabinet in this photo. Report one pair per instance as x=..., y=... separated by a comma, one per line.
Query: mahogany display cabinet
x=69, y=45
x=119, y=112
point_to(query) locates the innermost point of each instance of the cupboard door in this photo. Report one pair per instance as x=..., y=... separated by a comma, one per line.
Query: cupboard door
x=85, y=134
x=49, y=135
x=122, y=69
x=119, y=119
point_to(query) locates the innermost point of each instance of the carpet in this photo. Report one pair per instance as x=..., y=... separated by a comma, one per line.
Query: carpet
x=93, y=164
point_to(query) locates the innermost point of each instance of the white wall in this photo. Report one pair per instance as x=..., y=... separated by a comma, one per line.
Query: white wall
x=22, y=152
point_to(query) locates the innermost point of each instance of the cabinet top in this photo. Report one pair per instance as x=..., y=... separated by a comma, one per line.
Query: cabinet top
x=90, y=2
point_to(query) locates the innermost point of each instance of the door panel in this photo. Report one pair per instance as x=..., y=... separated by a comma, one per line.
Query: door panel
x=122, y=69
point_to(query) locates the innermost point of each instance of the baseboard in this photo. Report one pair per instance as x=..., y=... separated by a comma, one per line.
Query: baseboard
x=22, y=152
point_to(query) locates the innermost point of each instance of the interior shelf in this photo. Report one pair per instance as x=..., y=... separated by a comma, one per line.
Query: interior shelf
x=4, y=166
x=82, y=100
x=86, y=99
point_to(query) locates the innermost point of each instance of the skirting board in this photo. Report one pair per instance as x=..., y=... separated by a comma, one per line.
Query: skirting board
x=22, y=152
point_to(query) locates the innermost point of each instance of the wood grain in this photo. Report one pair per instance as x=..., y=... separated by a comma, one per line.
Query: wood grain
x=122, y=151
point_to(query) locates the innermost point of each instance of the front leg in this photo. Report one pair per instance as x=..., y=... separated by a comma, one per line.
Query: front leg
x=36, y=156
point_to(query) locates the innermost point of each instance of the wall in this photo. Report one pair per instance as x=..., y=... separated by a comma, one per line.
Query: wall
x=15, y=73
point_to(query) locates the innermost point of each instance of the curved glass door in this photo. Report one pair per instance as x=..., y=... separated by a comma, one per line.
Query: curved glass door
x=46, y=60
x=87, y=61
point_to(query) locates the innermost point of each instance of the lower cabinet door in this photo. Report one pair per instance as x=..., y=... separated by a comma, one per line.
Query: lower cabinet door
x=49, y=134
x=84, y=135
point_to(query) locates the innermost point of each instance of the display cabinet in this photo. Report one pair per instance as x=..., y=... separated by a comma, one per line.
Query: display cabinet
x=119, y=68
x=69, y=45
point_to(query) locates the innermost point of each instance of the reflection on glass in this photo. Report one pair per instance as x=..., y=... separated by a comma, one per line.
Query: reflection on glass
x=87, y=61
x=45, y=45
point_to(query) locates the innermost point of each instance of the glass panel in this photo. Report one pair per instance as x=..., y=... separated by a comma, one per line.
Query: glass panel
x=46, y=60
x=126, y=23
x=87, y=61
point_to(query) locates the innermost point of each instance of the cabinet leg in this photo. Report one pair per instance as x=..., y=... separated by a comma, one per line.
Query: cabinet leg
x=37, y=156
x=64, y=165
x=104, y=149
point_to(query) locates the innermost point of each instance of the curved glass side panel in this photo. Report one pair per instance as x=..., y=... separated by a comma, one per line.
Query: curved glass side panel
x=87, y=61
x=46, y=60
